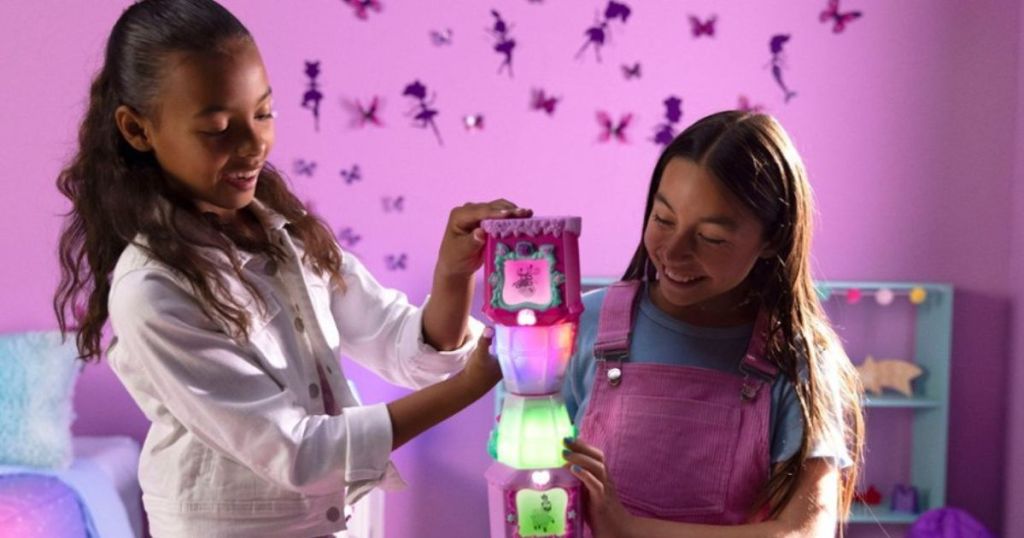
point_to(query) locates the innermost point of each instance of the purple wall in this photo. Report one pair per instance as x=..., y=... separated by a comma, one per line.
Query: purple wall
x=902, y=120
x=1014, y=517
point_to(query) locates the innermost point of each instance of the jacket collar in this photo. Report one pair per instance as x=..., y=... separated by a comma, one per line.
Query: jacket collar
x=271, y=220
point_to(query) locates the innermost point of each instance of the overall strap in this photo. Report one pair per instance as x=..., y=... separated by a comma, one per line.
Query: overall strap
x=616, y=320
x=754, y=363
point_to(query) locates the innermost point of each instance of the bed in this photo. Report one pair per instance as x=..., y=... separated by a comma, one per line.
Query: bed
x=97, y=496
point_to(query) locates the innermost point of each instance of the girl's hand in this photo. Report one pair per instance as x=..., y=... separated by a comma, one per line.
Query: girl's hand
x=482, y=370
x=605, y=514
x=462, y=245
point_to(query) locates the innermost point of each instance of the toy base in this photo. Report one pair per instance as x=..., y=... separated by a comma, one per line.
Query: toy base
x=534, y=503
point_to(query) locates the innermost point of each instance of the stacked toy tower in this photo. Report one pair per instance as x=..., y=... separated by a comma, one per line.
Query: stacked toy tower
x=532, y=295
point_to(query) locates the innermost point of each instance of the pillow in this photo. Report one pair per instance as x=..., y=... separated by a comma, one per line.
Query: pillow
x=37, y=375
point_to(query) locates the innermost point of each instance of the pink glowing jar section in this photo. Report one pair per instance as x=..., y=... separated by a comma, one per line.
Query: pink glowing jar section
x=533, y=359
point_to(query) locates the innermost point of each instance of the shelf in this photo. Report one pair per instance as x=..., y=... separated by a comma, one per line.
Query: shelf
x=900, y=402
x=860, y=513
x=874, y=286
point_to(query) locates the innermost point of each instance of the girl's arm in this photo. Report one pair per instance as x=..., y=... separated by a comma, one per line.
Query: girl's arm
x=446, y=314
x=413, y=414
x=177, y=362
x=399, y=341
x=812, y=512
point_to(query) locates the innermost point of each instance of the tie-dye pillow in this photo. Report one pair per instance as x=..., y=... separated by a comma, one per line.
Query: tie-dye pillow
x=37, y=375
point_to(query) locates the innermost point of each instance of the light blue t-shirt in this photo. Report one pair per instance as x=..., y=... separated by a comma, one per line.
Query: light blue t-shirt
x=660, y=338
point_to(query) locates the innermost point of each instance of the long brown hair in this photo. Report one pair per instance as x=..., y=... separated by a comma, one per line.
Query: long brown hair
x=118, y=193
x=752, y=156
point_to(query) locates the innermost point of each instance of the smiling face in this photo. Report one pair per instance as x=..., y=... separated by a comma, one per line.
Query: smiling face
x=212, y=125
x=703, y=243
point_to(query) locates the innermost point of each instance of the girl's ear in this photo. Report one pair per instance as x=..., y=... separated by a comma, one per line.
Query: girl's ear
x=132, y=128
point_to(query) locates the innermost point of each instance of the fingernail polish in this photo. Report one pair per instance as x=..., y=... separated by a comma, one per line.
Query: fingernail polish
x=566, y=453
x=488, y=332
x=568, y=440
x=575, y=468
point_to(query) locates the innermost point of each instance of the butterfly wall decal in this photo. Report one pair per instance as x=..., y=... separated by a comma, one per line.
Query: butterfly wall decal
x=702, y=28
x=611, y=129
x=540, y=100
x=839, y=20
x=352, y=174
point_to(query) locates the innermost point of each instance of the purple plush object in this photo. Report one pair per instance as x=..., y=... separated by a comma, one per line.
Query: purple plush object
x=37, y=506
x=948, y=523
x=904, y=499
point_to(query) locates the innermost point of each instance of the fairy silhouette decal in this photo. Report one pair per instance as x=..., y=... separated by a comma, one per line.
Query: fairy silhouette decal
x=778, y=62
x=312, y=97
x=504, y=44
x=600, y=31
x=423, y=113
x=665, y=131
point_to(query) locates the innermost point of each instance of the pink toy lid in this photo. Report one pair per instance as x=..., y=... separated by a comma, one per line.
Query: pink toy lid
x=532, y=226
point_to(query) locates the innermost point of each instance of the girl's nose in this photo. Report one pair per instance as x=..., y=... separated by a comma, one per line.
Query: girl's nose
x=680, y=245
x=252, y=143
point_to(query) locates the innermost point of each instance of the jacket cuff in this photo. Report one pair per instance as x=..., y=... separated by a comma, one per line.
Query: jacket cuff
x=424, y=358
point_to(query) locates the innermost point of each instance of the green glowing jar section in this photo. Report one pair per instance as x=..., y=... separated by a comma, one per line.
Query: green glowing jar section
x=531, y=431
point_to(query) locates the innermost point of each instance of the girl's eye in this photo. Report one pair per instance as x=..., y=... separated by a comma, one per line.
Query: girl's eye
x=267, y=115
x=215, y=133
x=711, y=240
x=661, y=221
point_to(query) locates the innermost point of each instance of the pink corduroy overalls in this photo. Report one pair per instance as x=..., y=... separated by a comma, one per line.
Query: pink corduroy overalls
x=681, y=443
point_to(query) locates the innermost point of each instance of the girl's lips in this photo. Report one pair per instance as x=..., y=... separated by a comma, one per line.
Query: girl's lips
x=681, y=276
x=242, y=182
x=680, y=279
x=683, y=283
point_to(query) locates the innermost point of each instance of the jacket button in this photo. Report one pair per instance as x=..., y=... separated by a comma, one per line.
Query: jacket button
x=270, y=269
x=314, y=390
x=333, y=514
x=299, y=324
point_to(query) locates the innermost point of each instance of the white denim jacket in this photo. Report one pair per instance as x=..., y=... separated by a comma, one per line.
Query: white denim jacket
x=240, y=444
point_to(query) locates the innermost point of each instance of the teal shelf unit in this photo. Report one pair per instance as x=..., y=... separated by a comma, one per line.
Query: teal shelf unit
x=880, y=514
x=933, y=327
x=932, y=343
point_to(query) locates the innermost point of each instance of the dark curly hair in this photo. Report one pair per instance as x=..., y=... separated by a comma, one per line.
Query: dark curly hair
x=118, y=193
